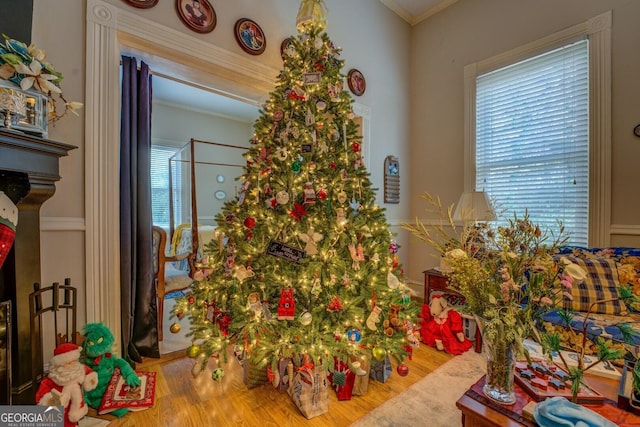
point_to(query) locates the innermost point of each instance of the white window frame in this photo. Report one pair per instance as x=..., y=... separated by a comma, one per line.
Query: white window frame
x=598, y=31
x=177, y=200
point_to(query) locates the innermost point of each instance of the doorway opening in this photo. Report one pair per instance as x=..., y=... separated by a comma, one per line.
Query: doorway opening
x=182, y=112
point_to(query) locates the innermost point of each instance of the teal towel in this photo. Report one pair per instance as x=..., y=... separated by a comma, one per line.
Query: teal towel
x=559, y=412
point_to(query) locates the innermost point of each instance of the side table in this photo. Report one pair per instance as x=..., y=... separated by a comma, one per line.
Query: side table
x=480, y=411
x=435, y=280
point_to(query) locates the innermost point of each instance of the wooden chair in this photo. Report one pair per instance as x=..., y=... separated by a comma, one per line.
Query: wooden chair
x=56, y=307
x=167, y=279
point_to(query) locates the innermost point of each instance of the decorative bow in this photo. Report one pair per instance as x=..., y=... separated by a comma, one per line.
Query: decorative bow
x=298, y=211
x=97, y=360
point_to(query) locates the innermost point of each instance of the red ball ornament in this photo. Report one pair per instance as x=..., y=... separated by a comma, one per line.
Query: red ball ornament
x=180, y=314
x=191, y=300
x=333, y=165
x=355, y=147
x=403, y=370
x=249, y=222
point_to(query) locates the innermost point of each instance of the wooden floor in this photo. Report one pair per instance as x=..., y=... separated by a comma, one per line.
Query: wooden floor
x=182, y=400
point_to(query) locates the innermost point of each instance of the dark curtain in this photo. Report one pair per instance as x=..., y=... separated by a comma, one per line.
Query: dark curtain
x=138, y=293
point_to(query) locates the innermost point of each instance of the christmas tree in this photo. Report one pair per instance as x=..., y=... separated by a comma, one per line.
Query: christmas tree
x=303, y=263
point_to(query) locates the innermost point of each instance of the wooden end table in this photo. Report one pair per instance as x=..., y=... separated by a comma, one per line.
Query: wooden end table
x=480, y=411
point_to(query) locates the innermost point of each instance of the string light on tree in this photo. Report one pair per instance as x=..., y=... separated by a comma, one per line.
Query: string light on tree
x=306, y=226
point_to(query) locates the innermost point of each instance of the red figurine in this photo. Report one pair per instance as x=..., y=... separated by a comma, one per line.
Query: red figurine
x=287, y=305
x=442, y=327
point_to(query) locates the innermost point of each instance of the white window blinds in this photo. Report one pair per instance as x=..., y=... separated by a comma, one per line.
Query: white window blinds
x=160, y=184
x=532, y=139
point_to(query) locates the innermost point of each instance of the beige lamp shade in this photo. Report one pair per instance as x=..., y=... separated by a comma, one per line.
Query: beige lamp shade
x=474, y=206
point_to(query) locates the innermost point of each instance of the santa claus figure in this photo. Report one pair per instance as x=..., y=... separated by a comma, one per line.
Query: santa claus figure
x=442, y=327
x=66, y=382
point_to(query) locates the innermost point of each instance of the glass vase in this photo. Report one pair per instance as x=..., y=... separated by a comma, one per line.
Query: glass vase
x=501, y=362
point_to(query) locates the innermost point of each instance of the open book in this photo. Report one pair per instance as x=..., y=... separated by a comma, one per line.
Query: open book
x=119, y=395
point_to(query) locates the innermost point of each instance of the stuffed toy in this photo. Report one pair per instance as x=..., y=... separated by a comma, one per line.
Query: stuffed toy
x=97, y=356
x=66, y=383
x=441, y=327
x=393, y=323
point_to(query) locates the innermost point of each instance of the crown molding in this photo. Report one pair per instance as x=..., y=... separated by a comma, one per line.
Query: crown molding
x=412, y=20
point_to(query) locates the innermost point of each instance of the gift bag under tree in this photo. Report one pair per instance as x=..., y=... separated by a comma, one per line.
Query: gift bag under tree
x=342, y=380
x=381, y=369
x=309, y=391
x=361, y=367
x=253, y=375
x=279, y=376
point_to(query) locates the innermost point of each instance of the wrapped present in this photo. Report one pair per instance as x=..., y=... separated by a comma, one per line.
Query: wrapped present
x=381, y=369
x=309, y=391
x=253, y=375
x=361, y=367
x=342, y=379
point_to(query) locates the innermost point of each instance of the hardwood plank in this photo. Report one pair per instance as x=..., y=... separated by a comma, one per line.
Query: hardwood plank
x=183, y=400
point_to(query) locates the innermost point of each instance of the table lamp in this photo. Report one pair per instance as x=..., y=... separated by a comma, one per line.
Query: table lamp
x=474, y=206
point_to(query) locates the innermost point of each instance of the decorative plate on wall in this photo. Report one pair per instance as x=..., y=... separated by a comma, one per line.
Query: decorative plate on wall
x=356, y=82
x=286, y=47
x=250, y=36
x=141, y=4
x=197, y=15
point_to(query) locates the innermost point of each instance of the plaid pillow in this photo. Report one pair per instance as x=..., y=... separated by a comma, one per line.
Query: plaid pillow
x=601, y=283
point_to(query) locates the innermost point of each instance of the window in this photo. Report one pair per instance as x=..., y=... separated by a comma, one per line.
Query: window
x=160, y=184
x=532, y=138
x=538, y=130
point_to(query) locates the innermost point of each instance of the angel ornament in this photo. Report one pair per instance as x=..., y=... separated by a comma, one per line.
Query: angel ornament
x=311, y=238
x=354, y=257
x=241, y=273
x=323, y=147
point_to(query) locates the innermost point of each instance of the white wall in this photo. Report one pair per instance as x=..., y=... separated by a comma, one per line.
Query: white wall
x=176, y=126
x=471, y=31
x=374, y=40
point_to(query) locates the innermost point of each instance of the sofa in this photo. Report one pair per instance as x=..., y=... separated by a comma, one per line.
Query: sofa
x=612, y=273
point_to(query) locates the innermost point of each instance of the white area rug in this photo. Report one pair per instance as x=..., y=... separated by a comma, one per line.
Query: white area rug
x=432, y=400
x=92, y=422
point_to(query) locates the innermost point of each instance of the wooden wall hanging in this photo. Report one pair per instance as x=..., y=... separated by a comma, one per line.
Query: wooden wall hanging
x=391, y=180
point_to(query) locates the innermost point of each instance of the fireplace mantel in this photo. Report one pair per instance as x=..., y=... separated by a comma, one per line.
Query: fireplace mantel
x=29, y=169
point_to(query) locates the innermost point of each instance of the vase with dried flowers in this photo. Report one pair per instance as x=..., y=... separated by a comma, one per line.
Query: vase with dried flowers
x=509, y=282
x=27, y=68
